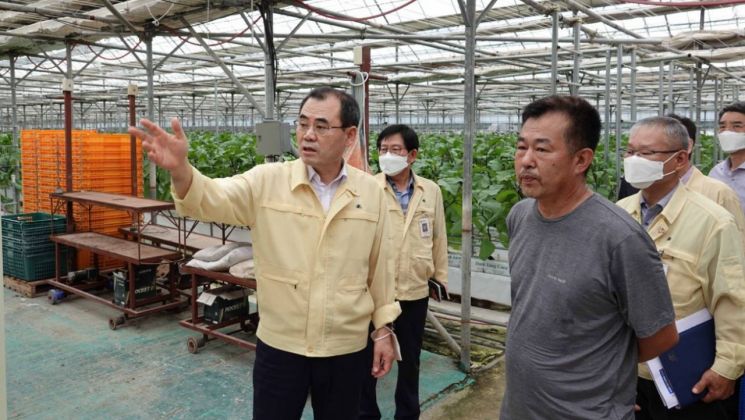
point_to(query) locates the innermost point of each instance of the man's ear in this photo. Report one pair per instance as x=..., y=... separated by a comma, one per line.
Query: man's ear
x=412, y=156
x=351, y=136
x=681, y=160
x=583, y=159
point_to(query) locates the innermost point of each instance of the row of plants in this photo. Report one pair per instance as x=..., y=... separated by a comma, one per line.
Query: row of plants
x=440, y=158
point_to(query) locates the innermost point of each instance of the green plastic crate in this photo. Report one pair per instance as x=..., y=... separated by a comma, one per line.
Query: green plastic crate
x=31, y=228
x=32, y=266
x=35, y=247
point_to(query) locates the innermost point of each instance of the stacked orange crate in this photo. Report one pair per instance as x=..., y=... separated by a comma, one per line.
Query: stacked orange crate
x=101, y=162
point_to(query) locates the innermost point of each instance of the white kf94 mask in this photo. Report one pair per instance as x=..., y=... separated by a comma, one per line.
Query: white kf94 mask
x=641, y=173
x=731, y=141
x=392, y=164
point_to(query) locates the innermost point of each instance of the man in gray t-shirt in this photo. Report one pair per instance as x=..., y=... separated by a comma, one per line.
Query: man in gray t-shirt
x=589, y=295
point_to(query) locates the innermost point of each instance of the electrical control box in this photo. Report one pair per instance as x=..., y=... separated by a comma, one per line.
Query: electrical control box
x=273, y=138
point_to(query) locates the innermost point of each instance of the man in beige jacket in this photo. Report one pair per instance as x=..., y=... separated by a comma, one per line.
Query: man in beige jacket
x=703, y=255
x=707, y=186
x=319, y=233
x=417, y=218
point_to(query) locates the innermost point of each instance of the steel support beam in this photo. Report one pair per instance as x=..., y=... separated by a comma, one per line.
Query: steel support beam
x=67, y=93
x=554, y=49
x=131, y=96
x=14, y=132
x=632, y=85
x=152, y=190
x=120, y=17
x=222, y=65
x=619, y=104
x=469, y=116
x=577, y=27
x=606, y=138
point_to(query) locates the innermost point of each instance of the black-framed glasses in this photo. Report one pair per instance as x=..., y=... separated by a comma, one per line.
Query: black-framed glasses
x=318, y=127
x=396, y=150
x=646, y=153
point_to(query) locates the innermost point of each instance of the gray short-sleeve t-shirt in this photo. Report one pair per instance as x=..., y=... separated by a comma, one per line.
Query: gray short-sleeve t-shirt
x=584, y=286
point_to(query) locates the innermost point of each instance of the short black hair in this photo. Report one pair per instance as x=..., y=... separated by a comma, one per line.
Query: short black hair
x=350, y=111
x=687, y=123
x=733, y=107
x=411, y=140
x=583, y=130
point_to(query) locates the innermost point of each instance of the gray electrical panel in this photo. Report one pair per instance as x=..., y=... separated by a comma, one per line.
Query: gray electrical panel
x=273, y=138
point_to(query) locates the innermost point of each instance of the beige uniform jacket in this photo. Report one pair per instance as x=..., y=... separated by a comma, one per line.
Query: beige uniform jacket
x=321, y=278
x=419, y=238
x=721, y=193
x=700, y=246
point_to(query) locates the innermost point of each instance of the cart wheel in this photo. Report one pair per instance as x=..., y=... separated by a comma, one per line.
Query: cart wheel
x=55, y=295
x=193, y=344
x=115, y=322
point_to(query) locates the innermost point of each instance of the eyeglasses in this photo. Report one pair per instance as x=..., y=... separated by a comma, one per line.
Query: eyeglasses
x=320, y=129
x=646, y=153
x=396, y=150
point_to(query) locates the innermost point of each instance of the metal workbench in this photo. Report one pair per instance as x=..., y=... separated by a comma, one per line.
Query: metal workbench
x=132, y=253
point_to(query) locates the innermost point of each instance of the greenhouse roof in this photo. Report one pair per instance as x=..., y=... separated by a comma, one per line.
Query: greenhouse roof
x=665, y=48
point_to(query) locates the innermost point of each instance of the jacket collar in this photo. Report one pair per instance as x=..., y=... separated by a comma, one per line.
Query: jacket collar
x=383, y=181
x=299, y=176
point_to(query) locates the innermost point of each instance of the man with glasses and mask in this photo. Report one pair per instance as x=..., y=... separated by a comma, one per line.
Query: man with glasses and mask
x=319, y=230
x=417, y=226
x=703, y=257
x=731, y=137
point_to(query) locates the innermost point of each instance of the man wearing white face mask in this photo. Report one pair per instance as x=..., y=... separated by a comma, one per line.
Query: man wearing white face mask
x=416, y=218
x=703, y=256
x=731, y=171
x=709, y=187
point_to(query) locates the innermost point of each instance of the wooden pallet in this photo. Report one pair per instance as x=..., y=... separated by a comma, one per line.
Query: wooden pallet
x=26, y=288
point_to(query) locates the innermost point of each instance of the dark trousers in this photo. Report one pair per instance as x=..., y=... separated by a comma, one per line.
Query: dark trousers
x=409, y=329
x=653, y=408
x=282, y=381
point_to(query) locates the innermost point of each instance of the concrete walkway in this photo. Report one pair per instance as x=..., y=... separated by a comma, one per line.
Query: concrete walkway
x=63, y=362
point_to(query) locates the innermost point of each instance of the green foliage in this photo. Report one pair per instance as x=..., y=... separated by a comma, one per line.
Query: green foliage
x=218, y=156
x=10, y=157
x=441, y=160
x=602, y=174
x=707, y=153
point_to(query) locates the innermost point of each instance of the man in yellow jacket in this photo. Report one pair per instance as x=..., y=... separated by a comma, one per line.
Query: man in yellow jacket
x=707, y=186
x=417, y=218
x=319, y=233
x=702, y=252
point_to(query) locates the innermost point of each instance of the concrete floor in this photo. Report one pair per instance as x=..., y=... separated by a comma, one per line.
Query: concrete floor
x=63, y=362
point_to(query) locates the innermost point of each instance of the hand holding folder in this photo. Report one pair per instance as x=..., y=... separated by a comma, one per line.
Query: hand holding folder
x=437, y=290
x=677, y=370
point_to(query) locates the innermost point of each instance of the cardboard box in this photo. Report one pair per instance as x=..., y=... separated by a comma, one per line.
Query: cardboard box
x=144, y=285
x=224, y=306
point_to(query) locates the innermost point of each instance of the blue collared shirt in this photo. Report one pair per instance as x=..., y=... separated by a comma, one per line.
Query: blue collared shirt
x=650, y=212
x=405, y=196
x=734, y=178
